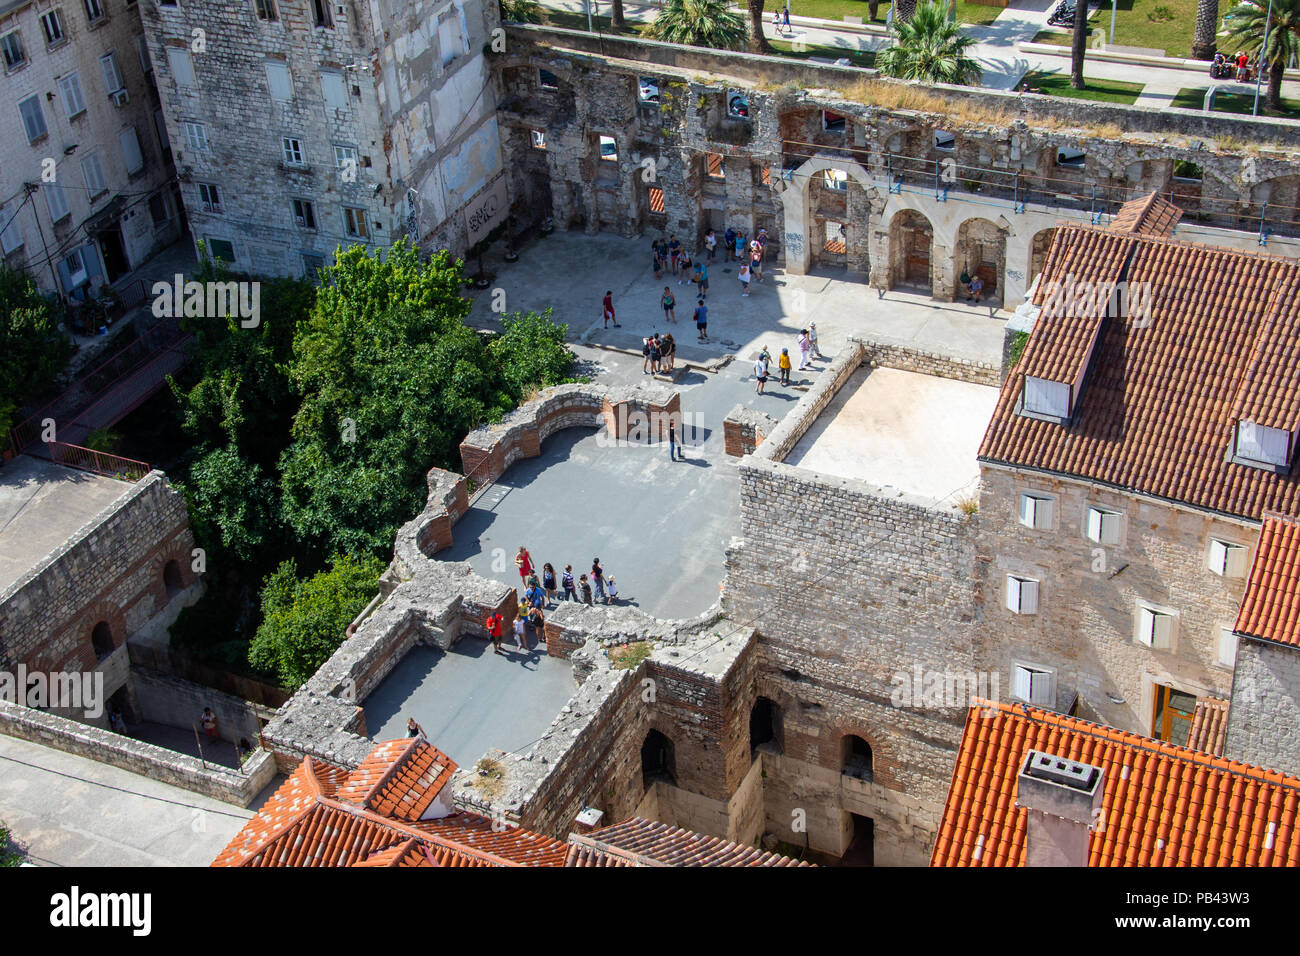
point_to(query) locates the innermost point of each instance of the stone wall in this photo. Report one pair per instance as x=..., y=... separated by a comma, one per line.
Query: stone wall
x=111, y=571
x=163, y=699
x=1265, y=707
x=240, y=787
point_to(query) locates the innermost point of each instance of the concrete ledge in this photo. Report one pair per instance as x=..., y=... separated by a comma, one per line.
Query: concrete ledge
x=157, y=763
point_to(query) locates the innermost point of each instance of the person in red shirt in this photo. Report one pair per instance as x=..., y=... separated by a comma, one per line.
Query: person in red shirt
x=608, y=308
x=493, y=625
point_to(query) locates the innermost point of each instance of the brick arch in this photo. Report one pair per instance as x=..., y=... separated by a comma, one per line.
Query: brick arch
x=77, y=638
x=881, y=762
x=182, y=553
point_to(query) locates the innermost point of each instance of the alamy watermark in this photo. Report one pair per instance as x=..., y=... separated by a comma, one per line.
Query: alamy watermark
x=921, y=688
x=644, y=428
x=1077, y=298
x=57, y=690
x=209, y=300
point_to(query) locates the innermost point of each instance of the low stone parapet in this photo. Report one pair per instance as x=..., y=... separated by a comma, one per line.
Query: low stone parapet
x=744, y=429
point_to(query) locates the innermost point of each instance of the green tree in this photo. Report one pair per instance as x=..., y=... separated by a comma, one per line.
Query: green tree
x=1246, y=23
x=929, y=48
x=33, y=349
x=709, y=23
x=233, y=506
x=304, y=620
x=520, y=11
x=531, y=352
x=10, y=855
x=757, y=39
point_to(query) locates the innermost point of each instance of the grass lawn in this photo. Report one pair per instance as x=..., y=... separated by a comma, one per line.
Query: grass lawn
x=1194, y=99
x=1170, y=30
x=859, y=57
x=838, y=9
x=1104, y=91
x=578, y=21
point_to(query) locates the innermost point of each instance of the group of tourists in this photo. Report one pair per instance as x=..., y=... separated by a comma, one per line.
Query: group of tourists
x=544, y=592
x=659, y=353
x=807, y=344
x=1228, y=67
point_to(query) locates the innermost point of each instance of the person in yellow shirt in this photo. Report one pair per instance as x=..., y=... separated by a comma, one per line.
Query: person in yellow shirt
x=783, y=363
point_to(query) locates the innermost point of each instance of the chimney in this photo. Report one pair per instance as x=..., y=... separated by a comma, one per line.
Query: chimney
x=1063, y=798
x=588, y=821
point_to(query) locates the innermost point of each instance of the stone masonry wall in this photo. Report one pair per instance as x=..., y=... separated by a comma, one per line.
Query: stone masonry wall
x=1265, y=709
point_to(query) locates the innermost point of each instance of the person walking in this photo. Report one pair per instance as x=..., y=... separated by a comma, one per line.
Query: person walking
x=524, y=562
x=812, y=340
x=521, y=640
x=598, y=579
x=548, y=582
x=668, y=352
x=656, y=260
x=728, y=243
x=702, y=320
x=413, y=729
x=685, y=268
x=674, y=450
x=744, y=278
x=702, y=279
x=668, y=302
x=645, y=356
x=783, y=363
x=608, y=307
x=804, y=346
x=760, y=374
x=494, y=624
x=756, y=260
x=740, y=247
x=710, y=244
x=566, y=581
x=585, y=589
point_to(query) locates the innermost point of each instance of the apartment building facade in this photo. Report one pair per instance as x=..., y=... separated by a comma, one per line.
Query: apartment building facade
x=86, y=177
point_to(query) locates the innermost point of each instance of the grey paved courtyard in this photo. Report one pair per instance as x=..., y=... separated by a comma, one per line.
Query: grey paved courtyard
x=72, y=811
x=469, y=700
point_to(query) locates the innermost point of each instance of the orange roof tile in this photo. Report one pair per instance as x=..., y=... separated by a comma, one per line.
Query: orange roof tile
x=639, y=842
x=1209, y=725
x=1162, y=805
x=1165, y=388
x=1150, y=216
x=1271, y=606
x=328, y=816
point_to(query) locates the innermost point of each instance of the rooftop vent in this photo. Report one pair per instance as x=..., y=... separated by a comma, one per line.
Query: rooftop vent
x=1063, y=800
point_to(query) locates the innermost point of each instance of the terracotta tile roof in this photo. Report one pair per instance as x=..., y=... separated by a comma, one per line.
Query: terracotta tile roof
x=1149, y=216
x=327, y=816
x=639, y=842
x=1163, y=805
x=1158, y=408
x=1271, y=606
x=1209, y=725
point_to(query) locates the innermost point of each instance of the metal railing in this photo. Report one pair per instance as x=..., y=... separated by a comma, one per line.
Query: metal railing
x=101, y=463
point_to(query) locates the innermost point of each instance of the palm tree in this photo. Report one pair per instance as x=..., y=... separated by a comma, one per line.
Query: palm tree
x=616, y=20
x=1246, y=32
x=711, y=23
x=873, y=7
x=931, y=49
x=903, y=10
x=757, y=41
x=1079, y=43
x=1207, y=23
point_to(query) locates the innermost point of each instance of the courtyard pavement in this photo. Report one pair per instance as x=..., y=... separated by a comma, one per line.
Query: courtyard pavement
x=67, y=810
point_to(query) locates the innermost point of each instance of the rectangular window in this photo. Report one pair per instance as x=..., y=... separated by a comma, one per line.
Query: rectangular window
x=547, y=79
x=158, y=212
x=1258, y=443
x=1042, y=397
x=1227, y=560
x=1227, y=649
x=112, y=75
x=131, y=154
x=1036, y=511
x=765, y=177
x=182, y=66
x=56, y=199
x=196, y=136
x=320, y=14
x=52, y=25
x=222, y=249
x=334, y=91
x=738, y=105
x=1155, y=628
x=96, y=183
x=648, y=90
x=355, y=223
x=209, y=197
x=73, y=102
x=832, y=122
x=715, y=166
x=75, y=264
x=1022, y=595
x=1033, y=685
x=12, y=46
x=266, y=10
x=304, y=214
x=142, y=54
x=608, y=149
x=1103, y=526
x=11, y=234
x=94, y=10
x=656, y=200
x=33, y=118
x=539, y=139
x=281, y=84
x=292, y=150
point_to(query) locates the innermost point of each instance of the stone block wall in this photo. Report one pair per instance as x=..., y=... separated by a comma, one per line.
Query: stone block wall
x=111, y=571
x=164, y=699
x=744, y=429
x=1265, y=710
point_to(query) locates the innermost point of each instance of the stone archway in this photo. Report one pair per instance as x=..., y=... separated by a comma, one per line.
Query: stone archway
x=1038, y=248
x=805, y=230
x=981, y=250
x=911, y=239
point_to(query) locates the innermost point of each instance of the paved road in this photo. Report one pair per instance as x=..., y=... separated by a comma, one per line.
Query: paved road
x=70, y=811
